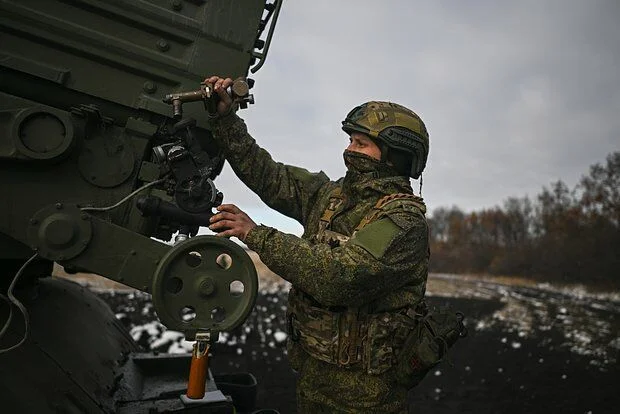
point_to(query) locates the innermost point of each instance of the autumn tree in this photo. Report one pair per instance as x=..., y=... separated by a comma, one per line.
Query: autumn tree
x=567, y=235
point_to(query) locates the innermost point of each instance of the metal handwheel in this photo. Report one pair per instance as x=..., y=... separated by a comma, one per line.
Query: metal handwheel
x=206, y=283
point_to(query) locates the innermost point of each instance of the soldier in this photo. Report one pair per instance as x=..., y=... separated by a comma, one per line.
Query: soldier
x=361, y=265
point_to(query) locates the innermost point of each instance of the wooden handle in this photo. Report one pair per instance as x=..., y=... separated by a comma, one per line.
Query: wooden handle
x=198, y=371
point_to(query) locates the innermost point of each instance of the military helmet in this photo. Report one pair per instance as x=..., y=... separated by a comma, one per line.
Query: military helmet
x=400, y=133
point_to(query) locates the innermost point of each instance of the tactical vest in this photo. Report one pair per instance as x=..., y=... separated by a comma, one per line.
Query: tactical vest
x=349, y=337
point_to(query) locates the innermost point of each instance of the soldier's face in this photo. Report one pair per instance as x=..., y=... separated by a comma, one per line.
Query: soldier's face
x=359, y=142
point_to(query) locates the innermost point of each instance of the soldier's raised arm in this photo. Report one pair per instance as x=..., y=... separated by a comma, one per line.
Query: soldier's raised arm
x=288, y=189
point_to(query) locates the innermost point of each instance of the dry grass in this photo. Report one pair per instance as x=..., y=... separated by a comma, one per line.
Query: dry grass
x=502, y=280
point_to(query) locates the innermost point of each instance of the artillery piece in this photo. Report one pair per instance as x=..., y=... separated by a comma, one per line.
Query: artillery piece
x=100, y=167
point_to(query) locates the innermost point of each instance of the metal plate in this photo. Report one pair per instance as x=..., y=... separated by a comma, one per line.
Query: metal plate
x=59, y=232
x=42, y=133
x=106, y=160
x=206, y=283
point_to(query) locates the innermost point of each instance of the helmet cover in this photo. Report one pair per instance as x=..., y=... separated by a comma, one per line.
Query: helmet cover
x=396, y=128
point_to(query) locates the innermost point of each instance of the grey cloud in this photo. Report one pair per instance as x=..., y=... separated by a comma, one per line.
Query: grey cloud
x=515, y=94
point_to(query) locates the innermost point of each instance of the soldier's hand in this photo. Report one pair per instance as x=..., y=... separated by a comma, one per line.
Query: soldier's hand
x=231, y=221
x=220, y=86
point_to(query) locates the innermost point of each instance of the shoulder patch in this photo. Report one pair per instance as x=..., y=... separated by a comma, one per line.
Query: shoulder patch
x=376, y=236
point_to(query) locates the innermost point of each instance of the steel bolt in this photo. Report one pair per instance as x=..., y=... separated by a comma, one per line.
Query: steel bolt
x=207, y=287
x=163, y=45
x=58, y=206
x=34, y=222
x=150, y=87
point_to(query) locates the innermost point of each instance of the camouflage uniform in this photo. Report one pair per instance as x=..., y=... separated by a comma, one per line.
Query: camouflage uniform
x=349, y=294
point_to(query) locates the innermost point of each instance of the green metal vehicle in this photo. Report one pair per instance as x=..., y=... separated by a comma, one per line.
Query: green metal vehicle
x=103, y=157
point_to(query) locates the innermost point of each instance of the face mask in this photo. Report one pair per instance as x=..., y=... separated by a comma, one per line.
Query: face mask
x=356, y=162
x=361, y=164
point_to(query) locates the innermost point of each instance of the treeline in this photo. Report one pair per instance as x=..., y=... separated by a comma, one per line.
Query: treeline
x=562, y=235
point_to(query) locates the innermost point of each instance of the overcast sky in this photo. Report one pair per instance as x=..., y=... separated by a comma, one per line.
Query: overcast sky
x=515, y=94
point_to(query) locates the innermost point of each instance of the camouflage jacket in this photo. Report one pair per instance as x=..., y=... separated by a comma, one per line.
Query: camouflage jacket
x=381, y=274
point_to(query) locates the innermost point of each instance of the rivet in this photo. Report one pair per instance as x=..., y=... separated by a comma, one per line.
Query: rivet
x=58, y=206
x=34, y=222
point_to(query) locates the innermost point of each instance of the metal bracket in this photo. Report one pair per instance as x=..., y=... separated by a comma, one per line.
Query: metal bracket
x=273, y=10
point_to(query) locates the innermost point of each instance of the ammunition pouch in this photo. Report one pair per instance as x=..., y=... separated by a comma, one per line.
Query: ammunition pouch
x=434, y=332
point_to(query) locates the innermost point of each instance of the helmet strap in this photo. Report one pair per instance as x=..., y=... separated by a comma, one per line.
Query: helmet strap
x=421, y=180
x=384, y=153
x=414, y=165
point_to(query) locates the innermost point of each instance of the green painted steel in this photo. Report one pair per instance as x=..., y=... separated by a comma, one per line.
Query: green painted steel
x=205, y=282
x=94, y=165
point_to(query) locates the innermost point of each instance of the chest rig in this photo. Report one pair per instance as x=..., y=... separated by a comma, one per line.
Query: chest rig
x=336, y=200
x=349, y=336
x=325, y=234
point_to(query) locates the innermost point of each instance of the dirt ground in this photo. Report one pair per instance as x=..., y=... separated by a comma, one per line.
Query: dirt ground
x=531, y=348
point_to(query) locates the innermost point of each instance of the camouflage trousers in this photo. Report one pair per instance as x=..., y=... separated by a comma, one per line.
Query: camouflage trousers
x=326, y=388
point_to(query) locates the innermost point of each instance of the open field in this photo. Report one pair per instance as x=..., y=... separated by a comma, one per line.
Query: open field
x=532, y=348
